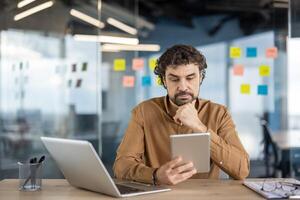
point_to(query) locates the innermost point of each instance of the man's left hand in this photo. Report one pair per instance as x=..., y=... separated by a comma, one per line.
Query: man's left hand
x=187, y=115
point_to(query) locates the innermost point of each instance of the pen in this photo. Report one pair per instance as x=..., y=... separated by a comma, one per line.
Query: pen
x=32, y=161
x=33, y=170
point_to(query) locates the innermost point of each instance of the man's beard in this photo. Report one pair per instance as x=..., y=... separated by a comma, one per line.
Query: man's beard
x=179, y=101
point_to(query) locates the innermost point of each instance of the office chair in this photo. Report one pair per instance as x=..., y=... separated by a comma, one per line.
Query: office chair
x=271, y=151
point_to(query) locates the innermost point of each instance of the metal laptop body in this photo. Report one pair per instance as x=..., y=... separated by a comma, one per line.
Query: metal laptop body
x=82, y=167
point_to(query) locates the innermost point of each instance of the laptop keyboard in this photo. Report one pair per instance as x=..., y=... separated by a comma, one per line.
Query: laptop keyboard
x=127, y=190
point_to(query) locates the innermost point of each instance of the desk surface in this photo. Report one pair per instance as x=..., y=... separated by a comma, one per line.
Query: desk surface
x=287, y=139
x=54, y=189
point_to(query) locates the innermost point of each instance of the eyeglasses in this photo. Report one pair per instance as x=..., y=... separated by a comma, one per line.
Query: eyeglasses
x=284, y=189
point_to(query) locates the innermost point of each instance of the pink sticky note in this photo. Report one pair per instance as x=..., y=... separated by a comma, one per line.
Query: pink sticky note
x=128, y=81
x=238, y=70
x=271, y=52
x=138, y=63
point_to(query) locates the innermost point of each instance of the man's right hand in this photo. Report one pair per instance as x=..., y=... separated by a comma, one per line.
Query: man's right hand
x=174, y=172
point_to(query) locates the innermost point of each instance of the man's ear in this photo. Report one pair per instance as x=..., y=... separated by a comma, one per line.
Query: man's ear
x=164, y=82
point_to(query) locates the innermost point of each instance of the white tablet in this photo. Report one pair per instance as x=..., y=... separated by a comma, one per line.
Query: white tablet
x=193, y=147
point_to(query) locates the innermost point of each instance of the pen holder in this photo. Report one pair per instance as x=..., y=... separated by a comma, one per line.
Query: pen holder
x=30, y=176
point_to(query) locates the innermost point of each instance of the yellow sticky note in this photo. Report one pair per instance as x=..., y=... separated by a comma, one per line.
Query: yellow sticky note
x=264, y=70
x=152, y=63
x=119, y=65
x=235, y=52
x=158, y=81
x=245, y=89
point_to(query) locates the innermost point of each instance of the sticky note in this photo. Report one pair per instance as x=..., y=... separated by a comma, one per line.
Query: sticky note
x=235, y=52
x=146, y=81
x=158, y=81
x=128, y=81
x=78, y=83
x=245, y=89
x=119, y=65
x=264, y=70
x=262, y=90
x=73, y=67
x=69, y=83
x=152, y=63
x=138, y=63
x=238, y=70
x=84, y=66
x=251, y=52
x=272, y=52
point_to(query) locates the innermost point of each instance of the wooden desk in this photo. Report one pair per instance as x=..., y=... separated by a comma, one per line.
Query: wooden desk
x=53, y=189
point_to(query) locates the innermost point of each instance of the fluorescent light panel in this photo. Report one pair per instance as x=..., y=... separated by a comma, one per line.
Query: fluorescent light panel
x=138, y=47
x=24, y=3
x=122, y=26
x=33, y=10
x=106, y=39
x=87, y=18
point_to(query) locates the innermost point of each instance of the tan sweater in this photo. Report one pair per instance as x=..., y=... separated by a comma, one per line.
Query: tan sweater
x=146, y=143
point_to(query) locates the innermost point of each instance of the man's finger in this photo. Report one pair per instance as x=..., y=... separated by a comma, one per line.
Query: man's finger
x=176, y=119
x=183, y=168
x=174, y=162
x=183, y=176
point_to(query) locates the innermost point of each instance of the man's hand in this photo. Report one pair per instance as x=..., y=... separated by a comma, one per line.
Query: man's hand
x=174, y=172
x=188, y=115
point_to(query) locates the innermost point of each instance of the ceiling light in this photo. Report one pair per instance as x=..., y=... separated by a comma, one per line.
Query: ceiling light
x=106, y=39
x=33, y=10
x=24, y=3
x=87, y=18
x=122, y=26
x=138, y=47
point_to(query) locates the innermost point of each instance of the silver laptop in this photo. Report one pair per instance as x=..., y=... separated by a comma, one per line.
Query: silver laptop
x=81, y=166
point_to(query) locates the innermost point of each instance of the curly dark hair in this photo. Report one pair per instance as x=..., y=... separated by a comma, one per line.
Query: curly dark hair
x=179, y=55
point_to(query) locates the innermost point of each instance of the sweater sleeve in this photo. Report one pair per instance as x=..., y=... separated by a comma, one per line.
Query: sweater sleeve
x=227, y=151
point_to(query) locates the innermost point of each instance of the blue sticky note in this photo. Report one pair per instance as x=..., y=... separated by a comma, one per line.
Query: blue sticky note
x=251, y=52
x=262, y=90
x=146, y=81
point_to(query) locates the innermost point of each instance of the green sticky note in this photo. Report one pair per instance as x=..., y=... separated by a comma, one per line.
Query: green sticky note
x=119, y=65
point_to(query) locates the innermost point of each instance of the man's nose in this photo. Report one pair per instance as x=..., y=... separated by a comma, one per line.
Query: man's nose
x=182, y=85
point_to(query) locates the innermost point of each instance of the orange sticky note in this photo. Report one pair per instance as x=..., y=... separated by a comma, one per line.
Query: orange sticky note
x=119, y=65
x=271, y=52
x=137, y=63
x=152, y=63
x=245, y=89
x=128, y=81
x=235, y=52
x=264, y=70
x=238, y=70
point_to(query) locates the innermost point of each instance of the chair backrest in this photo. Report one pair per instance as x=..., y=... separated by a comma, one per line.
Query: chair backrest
x=268, y=141
x=223, y=175
x=269, y=144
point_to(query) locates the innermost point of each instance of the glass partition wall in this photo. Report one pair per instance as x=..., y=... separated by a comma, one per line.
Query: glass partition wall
x=75, y=69
x=49, y=79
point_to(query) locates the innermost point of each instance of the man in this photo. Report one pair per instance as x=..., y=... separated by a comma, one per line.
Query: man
x=144, y=153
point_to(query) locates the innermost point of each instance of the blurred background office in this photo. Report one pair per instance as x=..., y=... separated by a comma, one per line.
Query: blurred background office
x=75, y=69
